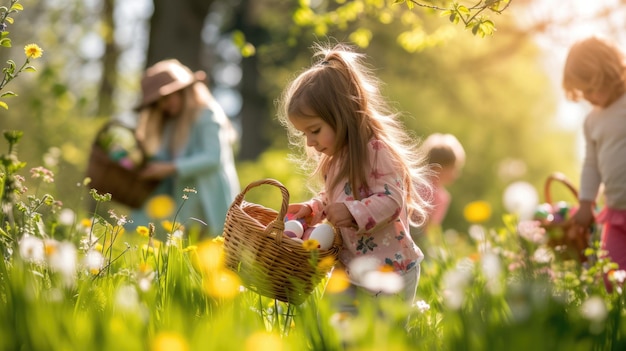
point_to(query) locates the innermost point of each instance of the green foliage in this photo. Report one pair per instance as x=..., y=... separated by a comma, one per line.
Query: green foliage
x=326, y=17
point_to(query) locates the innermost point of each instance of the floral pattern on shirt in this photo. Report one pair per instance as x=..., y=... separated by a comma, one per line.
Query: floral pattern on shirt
x=380, y=216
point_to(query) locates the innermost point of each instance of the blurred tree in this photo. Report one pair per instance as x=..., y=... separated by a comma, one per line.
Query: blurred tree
x=176, y=31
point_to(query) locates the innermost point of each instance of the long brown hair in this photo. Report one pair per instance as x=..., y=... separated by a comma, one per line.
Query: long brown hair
x=196, y=98
x=344, y=93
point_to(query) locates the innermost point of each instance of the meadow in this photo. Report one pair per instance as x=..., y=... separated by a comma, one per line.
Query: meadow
x=77, y=280
x=84, y=283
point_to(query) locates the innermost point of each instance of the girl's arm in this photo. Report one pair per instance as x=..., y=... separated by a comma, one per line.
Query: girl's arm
x=387, y=195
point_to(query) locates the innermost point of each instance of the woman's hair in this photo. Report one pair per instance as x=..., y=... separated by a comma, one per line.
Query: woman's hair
x=593, y=64
x=343, y=92
x=152, y=120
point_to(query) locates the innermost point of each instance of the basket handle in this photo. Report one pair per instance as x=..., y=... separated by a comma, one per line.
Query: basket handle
x=278, y=224
x=560, y=177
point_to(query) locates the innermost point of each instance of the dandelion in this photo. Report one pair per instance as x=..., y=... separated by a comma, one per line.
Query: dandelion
x=618, y=276
x=170, y=226
x=94, y=261
x=33, y=51
x=594, y=309
x=169, y=341
x=222, y=284
x=145, y=276
x=454, y=284
x=384, y=280
x=209, y=256
x=143, y=230
x=543, y=255
x=477, y=211
x=338, y=282
x=160, y=206
x=62, y=259
x=326, y=263
x=127, y=298
x=85, y=222
x=492, y=270
x=67, y=217
x=264, y=341
x=310, y=244
x=361, y=265
x=32, y=249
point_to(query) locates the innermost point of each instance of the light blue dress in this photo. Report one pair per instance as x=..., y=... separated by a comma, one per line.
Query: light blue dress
x=206, y=163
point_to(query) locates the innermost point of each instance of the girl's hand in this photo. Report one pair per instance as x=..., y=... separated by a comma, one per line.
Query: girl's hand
x=339, y=215
x=584, y=215
x=299, y=210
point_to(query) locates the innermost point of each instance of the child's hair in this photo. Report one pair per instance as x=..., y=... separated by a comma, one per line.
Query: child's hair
x=444, y=150
x=591, y=64
x=340, y=90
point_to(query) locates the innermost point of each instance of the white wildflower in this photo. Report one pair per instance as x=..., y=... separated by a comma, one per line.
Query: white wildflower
x=94, y=261
x=422, y=306
x=32, y=249
x=63, y=260
x=67, y=217
x=543, y=255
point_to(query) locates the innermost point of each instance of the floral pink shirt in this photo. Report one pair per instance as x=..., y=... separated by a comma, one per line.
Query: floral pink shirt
x=381, y=217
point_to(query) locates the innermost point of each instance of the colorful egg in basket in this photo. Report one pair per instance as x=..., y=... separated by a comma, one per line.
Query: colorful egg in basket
x=563, y=235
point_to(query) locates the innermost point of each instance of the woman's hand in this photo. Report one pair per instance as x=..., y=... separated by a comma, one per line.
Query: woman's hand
x=158, y=170
x=339, y=215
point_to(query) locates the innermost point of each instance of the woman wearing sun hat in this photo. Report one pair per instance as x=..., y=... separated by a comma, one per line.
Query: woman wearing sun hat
x=189, y=140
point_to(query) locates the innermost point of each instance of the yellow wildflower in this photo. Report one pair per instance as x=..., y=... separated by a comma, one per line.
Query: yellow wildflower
x=326, y=263
x=222, y=284
x=170, y=226
x=169, y=341
x=338, y=282
x=264, y=341
x=85, y=222
x=209, y=256
x=477, y=211
x=33, y=51
x=311, y=245
x=160, y=206
x=143, y=230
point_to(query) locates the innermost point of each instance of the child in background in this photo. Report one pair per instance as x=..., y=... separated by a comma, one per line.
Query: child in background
x=595, y=70
x=370, y=167
x=446, y=157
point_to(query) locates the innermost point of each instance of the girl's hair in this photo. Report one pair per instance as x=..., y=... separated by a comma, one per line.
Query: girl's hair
x=343, y=92
x=444, y=150
x=594, y=63
x=152, y=120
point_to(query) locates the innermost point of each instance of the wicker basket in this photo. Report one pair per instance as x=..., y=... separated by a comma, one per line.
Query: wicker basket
x=108, y=176
x=565, y=237
x=267, y=261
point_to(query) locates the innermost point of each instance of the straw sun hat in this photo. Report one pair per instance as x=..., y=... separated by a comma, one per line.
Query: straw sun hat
x=164, y=78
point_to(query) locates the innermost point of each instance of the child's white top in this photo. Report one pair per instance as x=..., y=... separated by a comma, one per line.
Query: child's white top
x=605, y=154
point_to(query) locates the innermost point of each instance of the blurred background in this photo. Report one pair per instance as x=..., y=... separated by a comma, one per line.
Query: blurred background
x=499, y=94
